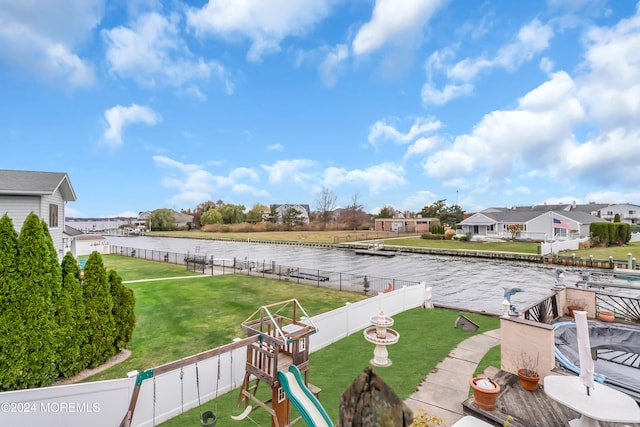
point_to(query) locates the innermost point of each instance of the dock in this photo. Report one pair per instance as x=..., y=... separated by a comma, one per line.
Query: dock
x=376, y=252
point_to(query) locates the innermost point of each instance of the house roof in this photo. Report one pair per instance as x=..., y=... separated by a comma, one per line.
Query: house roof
x=511, y=216
x=182, y=217
x=27, y=183
x=70, y=231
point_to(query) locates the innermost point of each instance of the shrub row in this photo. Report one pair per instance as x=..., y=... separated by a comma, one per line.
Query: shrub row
x=610, y=233
x=53, y=322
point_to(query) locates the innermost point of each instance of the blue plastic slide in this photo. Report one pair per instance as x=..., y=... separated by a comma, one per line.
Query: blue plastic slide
x=305, y=402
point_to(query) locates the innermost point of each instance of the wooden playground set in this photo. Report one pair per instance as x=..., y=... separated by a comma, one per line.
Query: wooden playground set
x=279, y=358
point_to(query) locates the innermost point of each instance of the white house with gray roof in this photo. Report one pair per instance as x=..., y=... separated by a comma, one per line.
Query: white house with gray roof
x=541, y=222
x=44, y=193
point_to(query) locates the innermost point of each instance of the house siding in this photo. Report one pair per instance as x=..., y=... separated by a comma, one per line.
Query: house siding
x=18, y=207
x=56, y=232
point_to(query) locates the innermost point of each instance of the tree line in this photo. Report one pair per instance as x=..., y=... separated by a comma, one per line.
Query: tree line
x=55, y=321
x=326, y=213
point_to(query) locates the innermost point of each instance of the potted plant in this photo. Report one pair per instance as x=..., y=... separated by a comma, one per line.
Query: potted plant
x=485, y=392
x=606, y=316
x=528, y=372
x=577, y=305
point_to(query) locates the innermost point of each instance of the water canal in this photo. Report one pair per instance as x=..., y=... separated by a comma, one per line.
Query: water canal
x=466, y=283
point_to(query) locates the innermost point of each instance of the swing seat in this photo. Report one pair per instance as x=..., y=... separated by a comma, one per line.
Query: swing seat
x=208, y=419
x=243, y=415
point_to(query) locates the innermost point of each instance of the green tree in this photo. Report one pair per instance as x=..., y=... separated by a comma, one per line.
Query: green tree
x=38, y=365
x=386, y=212
x=54, y=274
x=99, y=316
x=616, y=218
x=449, y=215
x=123, y=310
x=231, y=214
x=211, y=216
x=162, y=219
x=292, y=217
x=12, y=332
x=326, y=204
x=71, y=318
x=453, y=215
x=257, y=213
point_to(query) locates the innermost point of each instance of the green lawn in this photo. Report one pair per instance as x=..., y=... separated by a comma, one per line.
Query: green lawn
x=180, y=317
x=521, y=247
x=617, y=252
x=131, y=268
x=426, y=337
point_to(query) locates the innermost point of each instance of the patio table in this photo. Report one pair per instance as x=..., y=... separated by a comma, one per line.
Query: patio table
x=604, y=403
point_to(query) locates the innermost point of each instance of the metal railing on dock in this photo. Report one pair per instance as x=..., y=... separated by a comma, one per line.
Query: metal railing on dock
x=209, y=264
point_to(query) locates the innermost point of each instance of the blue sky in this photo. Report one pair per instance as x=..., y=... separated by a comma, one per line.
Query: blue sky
x=149, y=104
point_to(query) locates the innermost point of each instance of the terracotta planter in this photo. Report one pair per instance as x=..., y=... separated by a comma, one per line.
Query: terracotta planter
x=606, y=316
x=572, y=308
x=485, y=392
x=527, y=381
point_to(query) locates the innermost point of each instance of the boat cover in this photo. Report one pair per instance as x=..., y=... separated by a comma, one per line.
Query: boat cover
x=617, y=347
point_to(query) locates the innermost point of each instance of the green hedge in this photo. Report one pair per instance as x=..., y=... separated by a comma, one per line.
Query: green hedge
x=610, y=233
x=50, y=324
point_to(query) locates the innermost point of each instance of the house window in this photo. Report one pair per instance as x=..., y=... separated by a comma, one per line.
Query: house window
x=53, y=216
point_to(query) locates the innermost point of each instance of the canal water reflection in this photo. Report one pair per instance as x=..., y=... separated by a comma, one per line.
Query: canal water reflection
x=466, y=283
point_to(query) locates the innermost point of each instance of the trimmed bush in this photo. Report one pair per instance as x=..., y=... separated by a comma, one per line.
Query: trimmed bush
x=610, y=233
x=448, y=235
x=11, y=326
x=437, y=229
x=99, y=316
x=123, y=310
x=38, y=363
x=71, y=319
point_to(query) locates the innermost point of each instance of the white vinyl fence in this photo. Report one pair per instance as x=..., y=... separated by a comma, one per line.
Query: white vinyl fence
x=167, y=394
x=555, y=247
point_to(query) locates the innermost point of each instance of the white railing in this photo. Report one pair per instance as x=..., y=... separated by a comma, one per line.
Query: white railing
x=166, y=395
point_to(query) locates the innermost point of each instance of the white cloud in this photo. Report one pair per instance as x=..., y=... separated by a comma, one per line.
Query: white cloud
x=423, y=145
x=532, y=39
x=264, y=23
x=536, y=135
x=275, y=147
x=611, y=87
x=289, y=170
x=417, y=200
x=41, y=36
x=382, y=131
x=377, y=177
x=609, y=158
x=119, y=116
x=152, y=52
x=331, y=65
x=195, y=185
x=395, y=22
x=434, y=96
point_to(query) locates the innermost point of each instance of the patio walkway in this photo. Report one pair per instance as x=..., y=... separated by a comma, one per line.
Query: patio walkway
x=442, y=391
